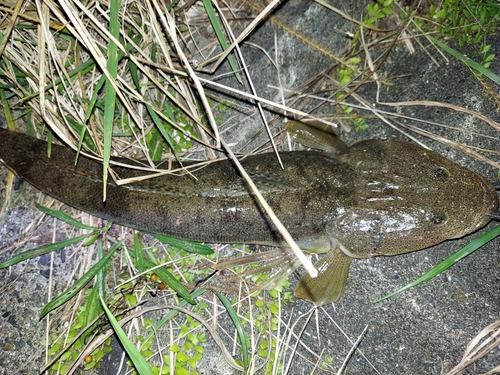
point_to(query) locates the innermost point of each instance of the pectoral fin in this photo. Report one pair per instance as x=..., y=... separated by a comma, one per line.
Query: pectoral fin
x=315, y=135
x=333, y=270
x=277, y=265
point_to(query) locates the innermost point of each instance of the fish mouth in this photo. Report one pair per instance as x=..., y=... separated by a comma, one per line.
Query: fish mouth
x=494, y=214
x=483, y=206
x=490, y=198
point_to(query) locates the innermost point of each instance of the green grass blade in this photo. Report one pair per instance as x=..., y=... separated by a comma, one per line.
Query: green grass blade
x=97, y=234
x=140, y=363
x=94, y=308
x=101, y=275
x=189, y=246
x=109, y=90
x=38, y=251
x=220, y=35
x=450, y=261
x=65, y=217
x=84, y=136
x=95, y=96
x=154, y=117
x=139, y=256
x=79, y=284
x=83, y=68
x=159, y=125
x=30, y=121
x=92, y=239
x=97, y=89
x=237, y=324
x=9, y=119
x=134, y=74
x=17, y=197
x=471, y=63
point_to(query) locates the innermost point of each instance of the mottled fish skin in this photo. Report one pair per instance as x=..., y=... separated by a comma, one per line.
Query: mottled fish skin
x=377, y=197
x=187, y=207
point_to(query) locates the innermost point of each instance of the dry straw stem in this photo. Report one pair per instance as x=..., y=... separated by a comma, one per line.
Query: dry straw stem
x=487, y=340
x=11, y=24
x=388, y=118
x=351, y=352
x=461, y=147
x=256, y=21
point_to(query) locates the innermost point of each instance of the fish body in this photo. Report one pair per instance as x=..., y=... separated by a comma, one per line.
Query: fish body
x=377, y=197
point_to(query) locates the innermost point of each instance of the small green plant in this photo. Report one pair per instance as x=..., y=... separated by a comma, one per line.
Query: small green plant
x=327, y=362
x=381, y=9
x=469, y=23
x=345, y=75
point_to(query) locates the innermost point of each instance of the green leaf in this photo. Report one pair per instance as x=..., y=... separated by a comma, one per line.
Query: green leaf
x=97, y=89
x=481, y=69
x=139, y=256
x=93, y=307
x=189, y=246
x=163, y=131
x=450, y=261
x=386, y=11
x=82, y=69
x=65, y=217
x=441, y=15
x=6, y=110
x=489, y=58
x=354, y=60
x=96, y=236
x=92, y=311
x=38, y=251
x=372, y=9
x=432, y=10
x=109, y=88
x=154, y=116
x=220, y=35
x=477, y=38
x=237, y=324
x=82, y=131
x=79, y=284
x=140, y=363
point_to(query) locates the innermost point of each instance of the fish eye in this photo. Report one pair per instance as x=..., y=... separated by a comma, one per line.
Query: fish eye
x=441, y=173
x=439, y=218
